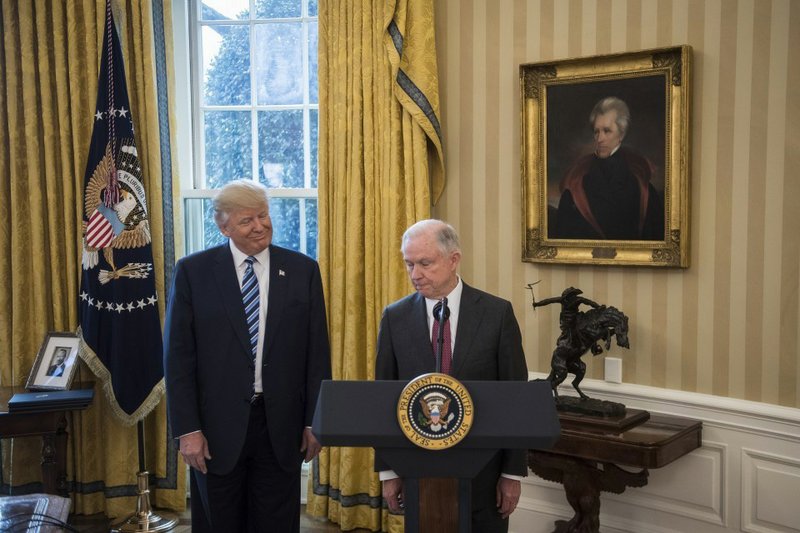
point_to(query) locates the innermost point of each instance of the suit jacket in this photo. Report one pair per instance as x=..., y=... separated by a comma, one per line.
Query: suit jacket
x=609, y=198
x=56, y=370
x=488, y=347
x=208, y=365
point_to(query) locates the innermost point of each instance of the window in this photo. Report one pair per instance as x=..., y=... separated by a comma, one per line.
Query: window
x=254, y=113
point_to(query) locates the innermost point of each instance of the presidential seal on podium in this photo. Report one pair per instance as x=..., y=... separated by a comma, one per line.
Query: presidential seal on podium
x=435, y=411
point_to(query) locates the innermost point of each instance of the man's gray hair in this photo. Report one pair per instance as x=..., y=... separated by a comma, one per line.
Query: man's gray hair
x=612, y=103
x=446, y=235
x=239, y=194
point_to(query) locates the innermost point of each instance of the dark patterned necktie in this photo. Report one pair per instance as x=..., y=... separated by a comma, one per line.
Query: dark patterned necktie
x=251, y=303
x=447, y=351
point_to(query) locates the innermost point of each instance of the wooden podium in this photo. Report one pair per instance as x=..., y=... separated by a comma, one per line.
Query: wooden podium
x=507, y=415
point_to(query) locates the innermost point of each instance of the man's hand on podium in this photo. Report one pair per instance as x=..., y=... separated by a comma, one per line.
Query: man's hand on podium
x=508, y=492
x=393, y=494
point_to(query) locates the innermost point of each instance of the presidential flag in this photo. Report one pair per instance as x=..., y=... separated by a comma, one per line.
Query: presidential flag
x=119, y=322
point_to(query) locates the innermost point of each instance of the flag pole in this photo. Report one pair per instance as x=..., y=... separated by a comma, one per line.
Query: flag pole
x=144, y=519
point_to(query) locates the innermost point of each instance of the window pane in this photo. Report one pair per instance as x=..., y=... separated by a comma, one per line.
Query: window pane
x=311, y=227
x=201, y=230
x=313, y=121
x=228, y=147
x=226, y=65
x=257, y=65
x=313, y=64
x=225, y=9
x=280, y=148
x=275, y=9
x=285, y=215
x=294, y=224
x=288, y=216
x=279, y=63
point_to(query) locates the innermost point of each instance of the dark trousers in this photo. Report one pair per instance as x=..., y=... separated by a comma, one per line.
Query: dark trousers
x=485, y=518
x=257, y=496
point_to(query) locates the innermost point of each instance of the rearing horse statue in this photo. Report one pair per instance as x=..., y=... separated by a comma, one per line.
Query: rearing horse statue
x=581, y=332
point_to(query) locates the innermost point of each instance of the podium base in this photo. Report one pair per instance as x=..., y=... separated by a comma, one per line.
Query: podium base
x=443, y=505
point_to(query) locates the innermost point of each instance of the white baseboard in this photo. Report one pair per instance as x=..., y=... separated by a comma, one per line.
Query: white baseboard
x=745, y=477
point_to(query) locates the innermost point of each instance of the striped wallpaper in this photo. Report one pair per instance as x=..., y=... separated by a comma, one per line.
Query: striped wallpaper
x=729, y=324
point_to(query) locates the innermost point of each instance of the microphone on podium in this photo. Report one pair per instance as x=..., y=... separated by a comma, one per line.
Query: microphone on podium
x=440, y=313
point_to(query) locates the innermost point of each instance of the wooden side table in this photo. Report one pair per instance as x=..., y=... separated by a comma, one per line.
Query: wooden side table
x=586, y=458
x=51, y=425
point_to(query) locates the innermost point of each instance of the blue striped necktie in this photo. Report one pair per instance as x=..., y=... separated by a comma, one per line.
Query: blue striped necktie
x=251, y=303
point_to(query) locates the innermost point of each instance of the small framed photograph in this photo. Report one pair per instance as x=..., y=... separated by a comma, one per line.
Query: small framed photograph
x=56, y=362
x=605, y=159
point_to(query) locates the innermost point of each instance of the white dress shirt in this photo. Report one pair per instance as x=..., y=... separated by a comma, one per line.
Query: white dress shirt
x=261, y=270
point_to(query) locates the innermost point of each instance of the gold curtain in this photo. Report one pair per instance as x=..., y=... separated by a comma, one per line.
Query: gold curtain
x=378, y=151
x=49, y=65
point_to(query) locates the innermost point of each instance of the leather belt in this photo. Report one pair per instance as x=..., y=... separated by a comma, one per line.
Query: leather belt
x=257, y=398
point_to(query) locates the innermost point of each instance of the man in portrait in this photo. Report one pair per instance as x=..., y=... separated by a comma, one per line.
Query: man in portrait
x=608, y=194
x=58, y=363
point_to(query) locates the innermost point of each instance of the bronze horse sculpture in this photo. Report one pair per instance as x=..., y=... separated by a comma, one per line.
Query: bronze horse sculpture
x=581, y=332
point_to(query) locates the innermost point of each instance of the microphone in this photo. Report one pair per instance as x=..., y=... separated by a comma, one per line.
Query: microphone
x=440, y=313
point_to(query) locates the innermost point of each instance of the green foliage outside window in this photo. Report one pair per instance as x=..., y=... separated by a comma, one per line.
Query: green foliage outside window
x=284, y=111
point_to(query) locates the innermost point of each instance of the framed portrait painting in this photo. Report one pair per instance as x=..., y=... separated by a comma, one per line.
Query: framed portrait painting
x=55, y=365
x=605, y=159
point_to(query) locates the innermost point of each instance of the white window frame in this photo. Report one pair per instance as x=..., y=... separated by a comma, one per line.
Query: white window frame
x=190, y=111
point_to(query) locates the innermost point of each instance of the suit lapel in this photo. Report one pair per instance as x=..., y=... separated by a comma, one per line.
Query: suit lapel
x=278, y=287
x=470, y=315
x=228, y=283
x=420, y=332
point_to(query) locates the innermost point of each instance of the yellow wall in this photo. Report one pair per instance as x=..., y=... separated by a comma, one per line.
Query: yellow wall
x=729, y=324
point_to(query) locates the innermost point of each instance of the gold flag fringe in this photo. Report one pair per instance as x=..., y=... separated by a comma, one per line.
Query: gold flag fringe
x=101, y=372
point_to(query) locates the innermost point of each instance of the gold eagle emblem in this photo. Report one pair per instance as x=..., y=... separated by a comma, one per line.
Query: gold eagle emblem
x=128, y=217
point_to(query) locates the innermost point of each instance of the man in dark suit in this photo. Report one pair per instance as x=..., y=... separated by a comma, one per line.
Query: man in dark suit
x=243, y=369
x=486, y=345
x=59, y=363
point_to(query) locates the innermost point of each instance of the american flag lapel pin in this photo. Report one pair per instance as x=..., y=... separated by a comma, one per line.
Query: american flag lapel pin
x=281, y=272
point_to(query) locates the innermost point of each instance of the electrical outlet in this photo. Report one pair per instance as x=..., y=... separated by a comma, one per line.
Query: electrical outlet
x=613, y=369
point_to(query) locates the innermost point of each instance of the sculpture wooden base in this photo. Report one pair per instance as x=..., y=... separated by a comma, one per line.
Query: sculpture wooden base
x=590, y=406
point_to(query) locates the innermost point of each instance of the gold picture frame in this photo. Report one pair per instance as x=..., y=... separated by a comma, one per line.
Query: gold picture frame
x=640, y=193
x=56, y=362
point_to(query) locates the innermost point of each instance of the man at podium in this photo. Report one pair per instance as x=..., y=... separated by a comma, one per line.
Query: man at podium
x=482, y=341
